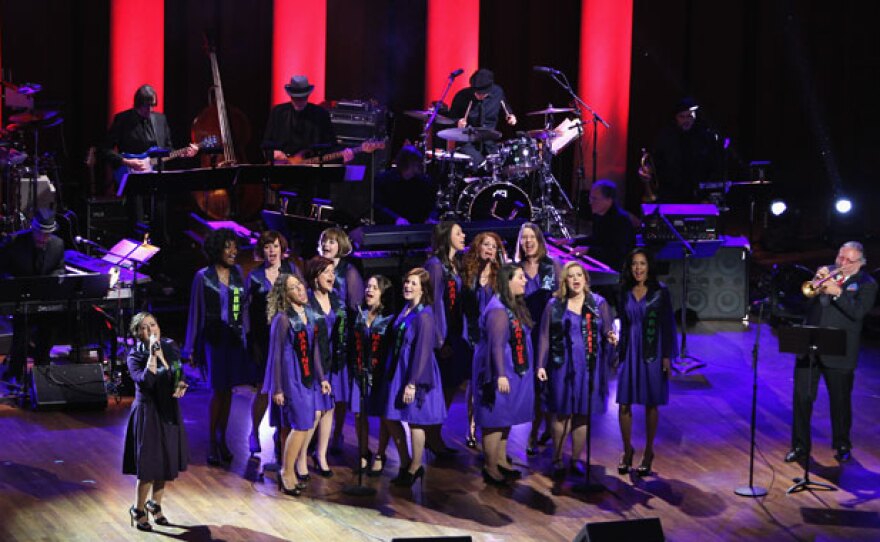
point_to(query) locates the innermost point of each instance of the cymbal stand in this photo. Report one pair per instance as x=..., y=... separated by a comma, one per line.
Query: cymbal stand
x=546, y=214
x=445, y=195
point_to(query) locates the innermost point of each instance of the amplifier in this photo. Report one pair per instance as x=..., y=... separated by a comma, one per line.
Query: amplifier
x=74, y=385
x=697, y=221
x=357, y=119
x=107, y=220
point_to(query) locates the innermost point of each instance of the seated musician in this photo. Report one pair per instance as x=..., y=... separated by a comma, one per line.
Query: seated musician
x=479, y=106
x=31, y=253
x=298, y=127
x=613, y=235
x=135, y=130
x=405, y=195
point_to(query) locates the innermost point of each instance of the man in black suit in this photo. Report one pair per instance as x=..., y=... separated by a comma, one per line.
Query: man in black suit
x=35, y=252
x=613, y=234
x=842, y=302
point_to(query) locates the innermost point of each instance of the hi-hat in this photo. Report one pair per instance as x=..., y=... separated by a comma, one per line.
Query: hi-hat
x=426, y=114
x=469, y=134
x=31, y=117
x=551, y=111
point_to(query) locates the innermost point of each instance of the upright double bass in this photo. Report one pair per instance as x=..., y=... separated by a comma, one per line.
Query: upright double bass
x=232, y=131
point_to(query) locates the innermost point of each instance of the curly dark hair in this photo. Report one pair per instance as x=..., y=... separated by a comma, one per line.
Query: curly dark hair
x=627, y=282
x=314, y=267
x=215, y=243
x=515, y=303
x=440, y=243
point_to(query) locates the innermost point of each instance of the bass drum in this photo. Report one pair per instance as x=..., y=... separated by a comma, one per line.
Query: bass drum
x=494, y=201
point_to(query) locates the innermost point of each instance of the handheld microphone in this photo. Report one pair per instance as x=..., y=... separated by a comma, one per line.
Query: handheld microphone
x=545, y=69
x=456, y=73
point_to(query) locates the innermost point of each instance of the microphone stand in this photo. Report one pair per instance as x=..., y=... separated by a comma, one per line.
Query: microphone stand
x=360, y=490
x=751, y=490
x=562, y=80
x=587, y=486
x=444, y=195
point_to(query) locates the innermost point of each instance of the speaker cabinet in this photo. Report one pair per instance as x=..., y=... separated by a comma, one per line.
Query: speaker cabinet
x=73, y=385
x=718, y=287
x=643, y=530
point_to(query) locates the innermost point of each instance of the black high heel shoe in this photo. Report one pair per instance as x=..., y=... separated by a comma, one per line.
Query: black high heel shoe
x=295, y=492
x=558, y=471
x=493, y=481
x=156, y=510
x=444, y=452
x=407, y=479
x=215, y=457
x=509, y=474
x=644, y=469
x=626, y=461
x=225, y=453
x=321, y=472
x=136, y=516
x=366, y=461
x=373, y=473
x=303, y=477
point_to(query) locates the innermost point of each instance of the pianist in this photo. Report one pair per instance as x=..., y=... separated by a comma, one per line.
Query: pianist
x=613, y=235
x=33, y=252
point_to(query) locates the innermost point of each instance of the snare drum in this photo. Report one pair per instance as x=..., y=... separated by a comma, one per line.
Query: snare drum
x=519, y=156
x=494, y=201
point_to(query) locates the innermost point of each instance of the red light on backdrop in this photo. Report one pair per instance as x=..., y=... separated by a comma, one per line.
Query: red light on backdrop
x=299, y=46
x=453, y=41
x=137, y=50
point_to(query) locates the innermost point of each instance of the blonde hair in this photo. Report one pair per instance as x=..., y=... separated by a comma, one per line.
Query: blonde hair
x=137, y=320
x=562, y=292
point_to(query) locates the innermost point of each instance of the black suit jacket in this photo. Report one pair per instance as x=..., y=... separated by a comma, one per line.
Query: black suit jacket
x=20, y=258
x=133, y=134
x=846, y=312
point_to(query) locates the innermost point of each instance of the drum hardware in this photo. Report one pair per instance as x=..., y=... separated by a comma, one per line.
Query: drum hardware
x=425, y=115
x=550, y=110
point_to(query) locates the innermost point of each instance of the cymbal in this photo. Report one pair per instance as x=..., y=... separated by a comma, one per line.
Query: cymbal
x=9, y=156
x=542, y=134
x=426, y=114
x=469, y=134
x=551, y=111
x=30, y=117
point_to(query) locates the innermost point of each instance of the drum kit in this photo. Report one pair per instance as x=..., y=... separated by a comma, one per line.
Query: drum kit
x=25, y=184
x=514, y=182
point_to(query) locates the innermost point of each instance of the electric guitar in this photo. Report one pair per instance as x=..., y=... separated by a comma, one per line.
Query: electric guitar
x=122, y=172
x=303, y=158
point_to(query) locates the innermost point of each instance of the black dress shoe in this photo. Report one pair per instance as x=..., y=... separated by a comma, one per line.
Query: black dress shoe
x=510, y=474
x=794, y=454
x=843, y=454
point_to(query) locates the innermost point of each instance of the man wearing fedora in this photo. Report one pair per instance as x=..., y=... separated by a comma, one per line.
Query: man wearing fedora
x=298, y=125
x=479, y=106
x=30, y=253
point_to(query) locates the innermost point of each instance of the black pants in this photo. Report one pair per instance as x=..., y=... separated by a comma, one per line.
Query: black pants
x=40, y=331
x=839, y=383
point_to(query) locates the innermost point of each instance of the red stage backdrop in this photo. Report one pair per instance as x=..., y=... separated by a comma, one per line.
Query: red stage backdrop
x=453, y=42
x=605, y=58
x=137, y=51
x=299, y=40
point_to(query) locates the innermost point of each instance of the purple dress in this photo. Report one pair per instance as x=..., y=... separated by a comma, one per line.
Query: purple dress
x=156, y=447
x=493, y=358
x=410, y=360
x=257, y=287
x=367, y=350
x=449, y=321
x=300, y=383
x=333, y=350
x=640, y=379
x=563, y=354
x=349, y=285
x=216, y=328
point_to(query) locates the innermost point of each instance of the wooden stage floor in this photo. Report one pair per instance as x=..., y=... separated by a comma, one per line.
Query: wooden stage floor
x=60, y=472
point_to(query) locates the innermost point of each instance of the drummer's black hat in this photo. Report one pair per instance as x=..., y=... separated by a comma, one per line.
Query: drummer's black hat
x=482, y=79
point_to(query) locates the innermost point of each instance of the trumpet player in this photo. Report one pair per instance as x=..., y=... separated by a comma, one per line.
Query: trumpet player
x=843, y=296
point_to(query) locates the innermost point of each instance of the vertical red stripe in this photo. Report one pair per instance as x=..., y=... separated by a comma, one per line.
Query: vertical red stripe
x=137, y=50
x=605, y=61
x=453, y=41
x=299, y=46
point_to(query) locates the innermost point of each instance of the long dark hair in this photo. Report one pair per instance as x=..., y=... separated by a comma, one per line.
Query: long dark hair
x=516, y=304
x=440, y=243
x=627, y=282
x=386, y=294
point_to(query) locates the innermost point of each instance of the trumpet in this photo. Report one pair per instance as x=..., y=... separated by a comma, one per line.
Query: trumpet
x=813, y=287
x=648, y=176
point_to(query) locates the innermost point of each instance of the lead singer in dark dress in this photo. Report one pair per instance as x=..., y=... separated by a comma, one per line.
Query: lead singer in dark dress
x=215, y=334
x=647, y=347
x=156, y=448
x=503, y=374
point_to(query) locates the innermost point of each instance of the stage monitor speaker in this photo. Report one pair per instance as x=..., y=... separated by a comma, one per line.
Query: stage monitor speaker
x=718, y=287
x=73, y=385
x=434, y=539
x=643, y=530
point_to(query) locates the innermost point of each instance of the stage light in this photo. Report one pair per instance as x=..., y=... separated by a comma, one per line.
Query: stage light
x=842, y=205
x=777, y=207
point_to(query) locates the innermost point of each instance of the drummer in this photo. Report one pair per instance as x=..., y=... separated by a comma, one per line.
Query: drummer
x=479, y=106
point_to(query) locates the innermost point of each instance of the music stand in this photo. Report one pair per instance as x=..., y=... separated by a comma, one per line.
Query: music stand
x=811, y=341
x=131, y=254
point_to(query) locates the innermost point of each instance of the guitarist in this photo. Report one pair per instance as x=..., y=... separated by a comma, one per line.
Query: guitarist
x=135, y=130
x=299, y=126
